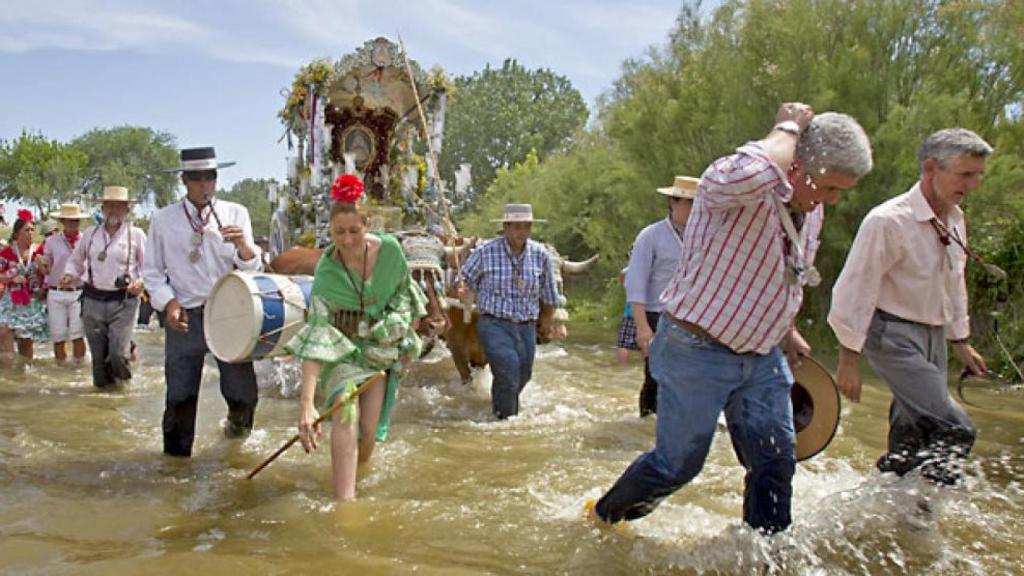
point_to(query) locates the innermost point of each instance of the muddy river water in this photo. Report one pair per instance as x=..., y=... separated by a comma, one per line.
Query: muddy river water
x=84, y=488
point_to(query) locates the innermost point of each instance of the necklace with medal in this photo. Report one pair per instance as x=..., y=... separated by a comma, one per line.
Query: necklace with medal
x=802, y=272
x=362, y=329
x=106, y=244
x=197, y=225
x=516, y=270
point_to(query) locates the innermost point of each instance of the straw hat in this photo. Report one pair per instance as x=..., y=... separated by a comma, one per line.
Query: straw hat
x=115, y=194
x=518, y=213
x=815, y=408
x=70, y=212
x=683, y=187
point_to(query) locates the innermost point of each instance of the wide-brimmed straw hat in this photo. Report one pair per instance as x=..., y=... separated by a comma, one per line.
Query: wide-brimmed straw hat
x=70, y=212
x=683, y=187
x=115, y=194
x=518, y=213
x=816, y=407
x=198, y=160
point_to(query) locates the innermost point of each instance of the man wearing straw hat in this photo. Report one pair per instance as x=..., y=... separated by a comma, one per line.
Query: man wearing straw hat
x=63, y=303
x=107, y=264
x=193, y=243
x=902, y=295
x=511, y=275
x=728, y=315
x=652, y=263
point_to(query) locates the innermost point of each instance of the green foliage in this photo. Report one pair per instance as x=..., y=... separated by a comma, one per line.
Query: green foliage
x=903, y=68
x=130, y=156
x=497, y=116
x=39, y=171
x=252, y=194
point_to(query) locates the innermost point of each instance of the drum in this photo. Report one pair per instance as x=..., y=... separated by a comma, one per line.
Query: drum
x=252, y=315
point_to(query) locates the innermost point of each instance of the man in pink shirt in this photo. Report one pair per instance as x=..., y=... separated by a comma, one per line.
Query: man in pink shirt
x=63, y=304
x=107, y=262
x=727, y=315
x=902, y=295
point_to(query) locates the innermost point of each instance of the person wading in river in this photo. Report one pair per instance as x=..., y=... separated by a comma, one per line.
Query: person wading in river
x=192, y=243
x=107, y=262
x=902, y=294
x=363, y=314
x=748, y=250
x=511, y=276
x=652, y=263
x=64, y=303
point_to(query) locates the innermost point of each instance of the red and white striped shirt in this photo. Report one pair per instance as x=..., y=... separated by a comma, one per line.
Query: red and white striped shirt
x=732, y=279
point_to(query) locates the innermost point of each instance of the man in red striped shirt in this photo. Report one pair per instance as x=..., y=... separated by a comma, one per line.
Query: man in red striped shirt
x=728, y=313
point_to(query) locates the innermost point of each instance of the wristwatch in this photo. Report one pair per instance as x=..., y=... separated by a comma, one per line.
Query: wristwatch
x=788, y=126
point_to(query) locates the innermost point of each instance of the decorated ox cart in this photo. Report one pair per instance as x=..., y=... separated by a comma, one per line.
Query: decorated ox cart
x=374, y=113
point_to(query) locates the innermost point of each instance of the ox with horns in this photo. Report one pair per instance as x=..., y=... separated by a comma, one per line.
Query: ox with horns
x=457, y=329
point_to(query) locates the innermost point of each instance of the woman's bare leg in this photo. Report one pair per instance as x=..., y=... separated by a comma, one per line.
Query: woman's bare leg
x=370, y=403
x=344, y=456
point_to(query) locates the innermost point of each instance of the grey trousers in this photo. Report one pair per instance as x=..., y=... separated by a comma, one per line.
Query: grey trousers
x=108, y=330
x=926, y=427
x=184, y=354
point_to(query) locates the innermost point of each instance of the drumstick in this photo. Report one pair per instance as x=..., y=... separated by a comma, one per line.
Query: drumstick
x=369, y=382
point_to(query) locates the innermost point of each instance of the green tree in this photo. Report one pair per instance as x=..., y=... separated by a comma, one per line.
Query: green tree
x=903, y=68
x=252, y=194
x=39, y=171
x=498, y=115
x=131, y=156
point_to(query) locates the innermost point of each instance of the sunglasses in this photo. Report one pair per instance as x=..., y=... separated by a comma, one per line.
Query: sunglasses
x=198, y=176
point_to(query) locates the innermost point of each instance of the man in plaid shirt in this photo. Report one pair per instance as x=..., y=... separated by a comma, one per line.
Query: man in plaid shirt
x=511, y=275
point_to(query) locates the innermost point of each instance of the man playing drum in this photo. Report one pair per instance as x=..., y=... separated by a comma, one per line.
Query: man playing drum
x=191, y=244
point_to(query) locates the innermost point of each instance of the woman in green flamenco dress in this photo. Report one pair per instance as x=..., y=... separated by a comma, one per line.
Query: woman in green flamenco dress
x=362, y=318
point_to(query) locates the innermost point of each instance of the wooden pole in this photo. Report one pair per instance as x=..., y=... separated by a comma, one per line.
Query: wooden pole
x=452, y=232
x=366, y=385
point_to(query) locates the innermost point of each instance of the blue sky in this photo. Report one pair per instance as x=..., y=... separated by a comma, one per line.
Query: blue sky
x=213, y=72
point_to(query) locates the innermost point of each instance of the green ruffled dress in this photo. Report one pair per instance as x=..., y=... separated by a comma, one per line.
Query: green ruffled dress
x=391, y=301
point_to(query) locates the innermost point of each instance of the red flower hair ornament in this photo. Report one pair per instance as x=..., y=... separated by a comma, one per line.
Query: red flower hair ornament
x=25, y=215
x=347, y=188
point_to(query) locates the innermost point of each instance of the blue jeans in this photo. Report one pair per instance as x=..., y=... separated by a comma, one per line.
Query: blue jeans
x=509, y=347
x=697, y=379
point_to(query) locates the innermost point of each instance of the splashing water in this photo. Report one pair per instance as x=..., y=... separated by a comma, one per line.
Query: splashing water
x=85, y=489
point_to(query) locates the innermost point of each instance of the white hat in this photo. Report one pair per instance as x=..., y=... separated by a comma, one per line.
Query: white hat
x=518, y=213
x=683, y=187
x=70, y=212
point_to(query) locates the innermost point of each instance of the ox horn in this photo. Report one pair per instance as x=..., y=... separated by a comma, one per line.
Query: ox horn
x=570, y=267
x=462, y=252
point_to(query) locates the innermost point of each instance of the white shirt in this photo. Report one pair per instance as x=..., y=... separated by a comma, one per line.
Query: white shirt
x=169, y=272
x=85, y=266
x=898, y=264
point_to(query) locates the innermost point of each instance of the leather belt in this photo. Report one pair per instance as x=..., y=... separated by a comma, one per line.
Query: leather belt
x=692, y=328
x=509, y=319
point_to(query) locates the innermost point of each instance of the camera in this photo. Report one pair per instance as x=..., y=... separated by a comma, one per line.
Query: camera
x=122, y=282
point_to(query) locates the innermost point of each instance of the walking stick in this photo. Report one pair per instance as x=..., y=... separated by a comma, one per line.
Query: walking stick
x=366, y=385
